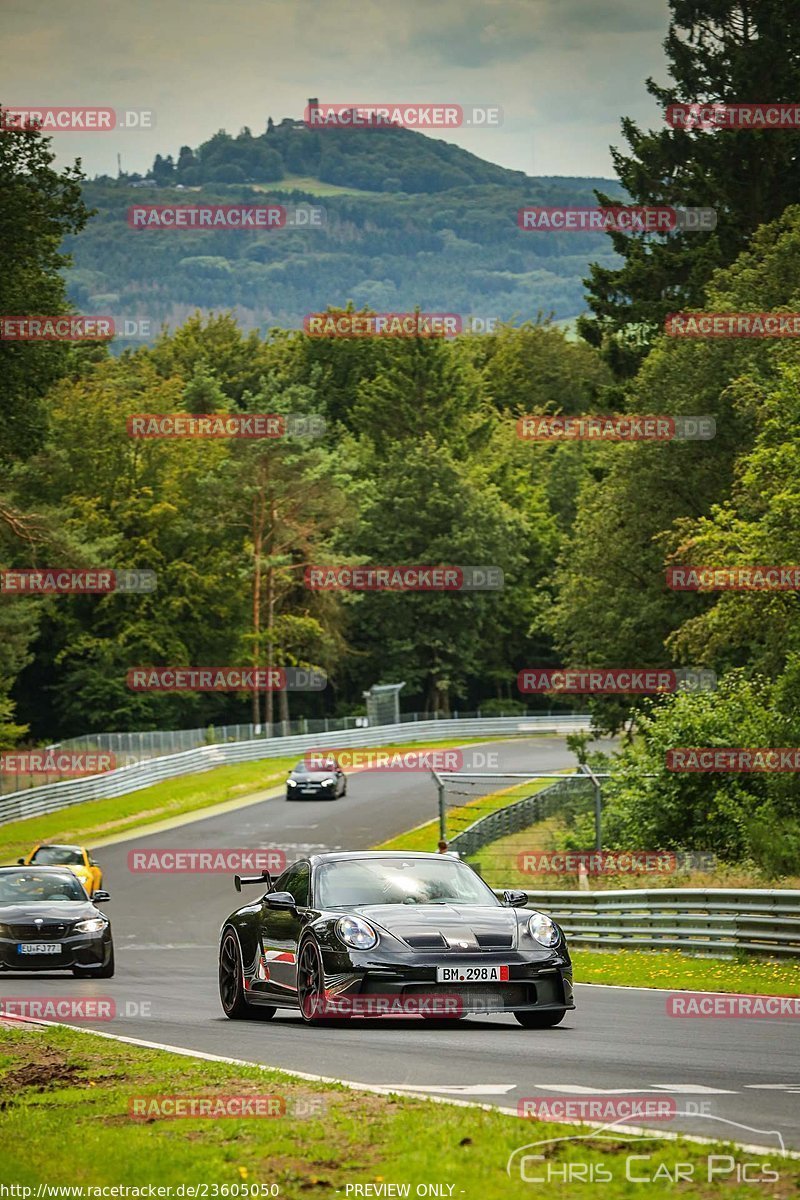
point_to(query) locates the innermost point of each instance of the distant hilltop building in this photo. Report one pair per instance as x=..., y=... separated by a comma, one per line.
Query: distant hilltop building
x=289, y=122
x=313, y=103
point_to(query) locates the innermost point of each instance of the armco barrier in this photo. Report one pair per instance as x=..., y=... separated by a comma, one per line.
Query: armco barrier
x=709, y=921
x=54, y=796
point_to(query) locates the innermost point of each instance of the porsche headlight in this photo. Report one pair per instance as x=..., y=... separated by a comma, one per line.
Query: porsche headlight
x=543, y=930
x=91, y=925
x=357, y=933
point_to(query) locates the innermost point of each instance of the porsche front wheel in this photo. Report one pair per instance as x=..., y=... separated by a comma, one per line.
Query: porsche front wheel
x=310, y=983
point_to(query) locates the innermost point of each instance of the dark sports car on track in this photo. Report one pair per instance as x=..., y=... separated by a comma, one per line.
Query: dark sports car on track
x=316, y=781
x=390, y=934
x=48, y=923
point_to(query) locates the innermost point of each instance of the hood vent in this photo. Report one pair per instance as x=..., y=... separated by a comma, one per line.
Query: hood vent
x=425, y=941
x=495, y=941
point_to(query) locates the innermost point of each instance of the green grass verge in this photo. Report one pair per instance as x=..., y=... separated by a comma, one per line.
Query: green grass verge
x=426, y=837
x=83, y=824
x=673, y=969
x=65, y=1120
x=499, y=866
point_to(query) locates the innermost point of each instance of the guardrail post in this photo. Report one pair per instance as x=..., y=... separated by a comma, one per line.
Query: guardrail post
x=598, y=805
x=442, y=808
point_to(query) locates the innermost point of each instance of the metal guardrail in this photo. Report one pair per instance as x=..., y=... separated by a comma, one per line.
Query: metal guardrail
x=137, y=745
x=711, y=921
x=518, y=816
x=157, y=743
x=54, y=796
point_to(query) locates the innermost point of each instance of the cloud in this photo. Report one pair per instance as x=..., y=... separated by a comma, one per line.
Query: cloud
x=563, y=71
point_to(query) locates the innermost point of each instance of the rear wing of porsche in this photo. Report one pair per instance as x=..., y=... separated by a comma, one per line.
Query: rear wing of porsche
x=263, y=878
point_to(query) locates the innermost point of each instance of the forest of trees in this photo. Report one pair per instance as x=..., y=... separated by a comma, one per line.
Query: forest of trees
x=456, y=252
x=421, y=463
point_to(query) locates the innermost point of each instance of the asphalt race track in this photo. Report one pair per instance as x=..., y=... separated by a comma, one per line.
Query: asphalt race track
x=618, y=1040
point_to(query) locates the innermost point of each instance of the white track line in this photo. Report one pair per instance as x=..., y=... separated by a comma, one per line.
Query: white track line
x=376, y=1089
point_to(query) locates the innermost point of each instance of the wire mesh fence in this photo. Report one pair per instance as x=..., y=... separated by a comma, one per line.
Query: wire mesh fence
x=476, y=811
x=483, y=821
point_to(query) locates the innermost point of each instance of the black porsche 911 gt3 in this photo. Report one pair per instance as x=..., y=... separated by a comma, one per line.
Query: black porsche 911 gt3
x=377, y=933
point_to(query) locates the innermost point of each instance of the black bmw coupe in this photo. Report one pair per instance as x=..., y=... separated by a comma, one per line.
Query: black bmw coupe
x=48, y=923
x=386, y=934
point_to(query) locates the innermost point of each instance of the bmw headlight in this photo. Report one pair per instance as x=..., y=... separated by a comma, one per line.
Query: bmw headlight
x=357, y=933
x=91, y=925
x=543, y=930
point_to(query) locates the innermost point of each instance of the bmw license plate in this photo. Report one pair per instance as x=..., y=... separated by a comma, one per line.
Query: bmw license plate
x=39, y=947
x=472, y=974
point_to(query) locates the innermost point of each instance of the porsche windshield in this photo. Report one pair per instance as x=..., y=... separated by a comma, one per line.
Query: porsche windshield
x=28, y=887
x=400, y=881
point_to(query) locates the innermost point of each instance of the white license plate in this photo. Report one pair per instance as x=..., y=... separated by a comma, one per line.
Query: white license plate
x=471, y=974
x=39, y=947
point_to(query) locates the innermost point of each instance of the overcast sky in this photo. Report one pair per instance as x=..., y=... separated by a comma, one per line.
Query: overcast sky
x=563, y=71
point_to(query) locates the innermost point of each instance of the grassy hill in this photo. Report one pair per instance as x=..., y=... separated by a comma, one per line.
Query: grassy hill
x=411, y=220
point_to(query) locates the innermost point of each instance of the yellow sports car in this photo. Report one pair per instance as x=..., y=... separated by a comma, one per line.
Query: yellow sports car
x=77, y=858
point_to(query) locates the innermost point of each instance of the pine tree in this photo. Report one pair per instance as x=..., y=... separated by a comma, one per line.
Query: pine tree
x=724, y=51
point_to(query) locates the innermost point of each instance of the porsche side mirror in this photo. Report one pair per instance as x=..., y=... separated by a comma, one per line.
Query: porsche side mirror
x=21, y=862
x=515, y=899
x=100, y=897
x=284, y=901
